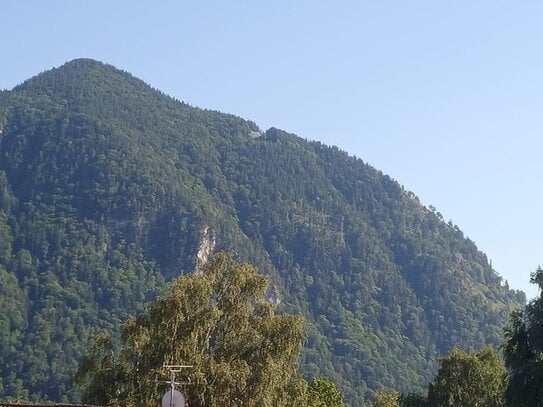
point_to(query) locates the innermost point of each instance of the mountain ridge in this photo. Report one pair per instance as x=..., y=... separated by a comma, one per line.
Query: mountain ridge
x=109, y=187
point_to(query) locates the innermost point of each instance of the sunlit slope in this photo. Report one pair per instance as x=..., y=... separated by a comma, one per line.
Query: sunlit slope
x=108, y=188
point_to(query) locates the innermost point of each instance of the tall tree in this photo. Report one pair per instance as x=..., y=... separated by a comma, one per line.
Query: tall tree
x=523, y=352
x=469, y=379
x=219, y=321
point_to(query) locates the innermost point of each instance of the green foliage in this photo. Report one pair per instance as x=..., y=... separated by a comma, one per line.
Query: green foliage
x=108, y=188
x=469, y=379
x=219, y=321
x=386, y=398
x=413, y=400
x=523, y=352
x=322, y=392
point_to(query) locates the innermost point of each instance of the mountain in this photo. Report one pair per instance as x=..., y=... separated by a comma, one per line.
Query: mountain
x=109, y=188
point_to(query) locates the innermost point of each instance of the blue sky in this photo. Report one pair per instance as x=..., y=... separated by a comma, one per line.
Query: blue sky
x=446, y=97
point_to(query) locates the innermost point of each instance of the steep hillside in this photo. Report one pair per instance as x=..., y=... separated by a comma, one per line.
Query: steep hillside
x=108, y=188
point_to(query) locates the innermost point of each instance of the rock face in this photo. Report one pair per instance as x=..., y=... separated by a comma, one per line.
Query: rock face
x=206, y=248
x=108, y=188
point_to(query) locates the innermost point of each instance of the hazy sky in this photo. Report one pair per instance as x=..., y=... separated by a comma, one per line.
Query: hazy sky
x=446, y=97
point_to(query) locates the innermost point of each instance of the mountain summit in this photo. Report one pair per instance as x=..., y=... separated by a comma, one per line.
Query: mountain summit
x=109, y=188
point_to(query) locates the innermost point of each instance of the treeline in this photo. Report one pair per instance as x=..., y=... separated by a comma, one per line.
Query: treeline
x=240, y=352
x=218, y=323
x=109, y=189
x=509, y=377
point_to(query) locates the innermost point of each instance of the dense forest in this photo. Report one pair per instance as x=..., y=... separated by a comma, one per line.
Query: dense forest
x=110, y=188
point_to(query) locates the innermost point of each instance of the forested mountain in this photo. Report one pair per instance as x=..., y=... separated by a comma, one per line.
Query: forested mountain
x=109, y=188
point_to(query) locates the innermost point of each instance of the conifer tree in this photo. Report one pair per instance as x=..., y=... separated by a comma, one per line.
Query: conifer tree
x=523, y=352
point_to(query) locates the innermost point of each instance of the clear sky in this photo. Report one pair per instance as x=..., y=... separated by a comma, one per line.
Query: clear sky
x=444, y=96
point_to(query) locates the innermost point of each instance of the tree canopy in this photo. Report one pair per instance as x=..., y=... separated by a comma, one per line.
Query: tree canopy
x=523, y=352
x=109, y=188
x=323, y=393
x=218, y=320
x=386, y=398
x=469, y=379
x=481, y=378
x=466, y=379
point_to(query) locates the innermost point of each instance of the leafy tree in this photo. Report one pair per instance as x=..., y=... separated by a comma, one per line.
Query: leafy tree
x=469, y=379
x=322, y=392
x=219, y=321
x=386, y=398
x=523, y=352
